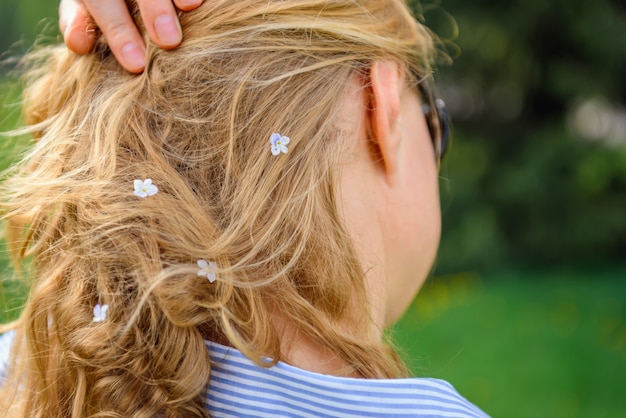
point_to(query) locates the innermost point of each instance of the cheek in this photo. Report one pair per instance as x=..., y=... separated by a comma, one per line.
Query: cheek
x=421, y=232
x=422, y=186
x=416, y=225
x=416, y=242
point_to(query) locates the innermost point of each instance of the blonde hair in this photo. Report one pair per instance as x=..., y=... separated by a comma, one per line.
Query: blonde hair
x=197, y=122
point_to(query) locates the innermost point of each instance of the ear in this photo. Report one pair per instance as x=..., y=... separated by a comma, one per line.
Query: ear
x=384, y=112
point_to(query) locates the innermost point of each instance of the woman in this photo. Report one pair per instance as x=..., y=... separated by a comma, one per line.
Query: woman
x=229, y=233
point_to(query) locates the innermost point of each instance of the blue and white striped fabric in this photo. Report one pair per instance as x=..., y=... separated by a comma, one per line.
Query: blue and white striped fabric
x=240, y=388
x=6, y=340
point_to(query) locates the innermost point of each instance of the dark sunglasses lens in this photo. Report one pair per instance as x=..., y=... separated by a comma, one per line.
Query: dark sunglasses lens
x=438, y=120
x=444, y=125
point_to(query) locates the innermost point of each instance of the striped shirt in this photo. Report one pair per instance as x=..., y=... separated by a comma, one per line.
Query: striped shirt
x=240, y=388
x=5, y=347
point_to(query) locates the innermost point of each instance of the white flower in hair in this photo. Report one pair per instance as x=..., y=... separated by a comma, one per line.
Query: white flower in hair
x=100, y=312
x=145, y=188
x=279, y=143
x=207, y=269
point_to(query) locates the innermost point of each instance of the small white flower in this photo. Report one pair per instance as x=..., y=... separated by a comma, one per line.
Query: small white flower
x=279, y=143
x=100, y=312
x=145, y=188
x=207, y=269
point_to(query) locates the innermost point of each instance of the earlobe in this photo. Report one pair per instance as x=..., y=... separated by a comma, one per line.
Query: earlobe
x=384, y=111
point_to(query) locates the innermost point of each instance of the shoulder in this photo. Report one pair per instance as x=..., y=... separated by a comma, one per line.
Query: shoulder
x=241, y=388
x=6, y=341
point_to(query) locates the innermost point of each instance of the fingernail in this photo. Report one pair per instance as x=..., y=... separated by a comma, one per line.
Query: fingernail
x=168, y=30
x=190, y=3
x=134, y=56
x=66, y=19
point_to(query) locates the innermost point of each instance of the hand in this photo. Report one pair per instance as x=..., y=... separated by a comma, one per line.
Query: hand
x=78, y=20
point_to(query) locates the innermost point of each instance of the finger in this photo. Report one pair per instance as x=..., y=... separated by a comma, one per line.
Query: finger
x=187, y=5
x=113, y=18
x=161, y=21
x=76, y=25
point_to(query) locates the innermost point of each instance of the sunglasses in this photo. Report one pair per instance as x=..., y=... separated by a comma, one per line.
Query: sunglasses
x=437, y=119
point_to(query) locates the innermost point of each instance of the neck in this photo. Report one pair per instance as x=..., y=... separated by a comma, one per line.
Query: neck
x=305, y=353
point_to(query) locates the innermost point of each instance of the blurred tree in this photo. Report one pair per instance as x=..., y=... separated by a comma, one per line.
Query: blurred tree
x=525, y=185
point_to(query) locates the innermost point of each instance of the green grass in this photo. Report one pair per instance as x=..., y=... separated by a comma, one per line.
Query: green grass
x=12, y=297
x=10, y=119
x=549, y=345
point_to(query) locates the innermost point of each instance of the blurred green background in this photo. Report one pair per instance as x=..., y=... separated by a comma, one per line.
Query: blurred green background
x=526, y=310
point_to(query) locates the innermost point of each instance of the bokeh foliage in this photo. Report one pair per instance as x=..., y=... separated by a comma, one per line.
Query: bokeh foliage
x=533, y=180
